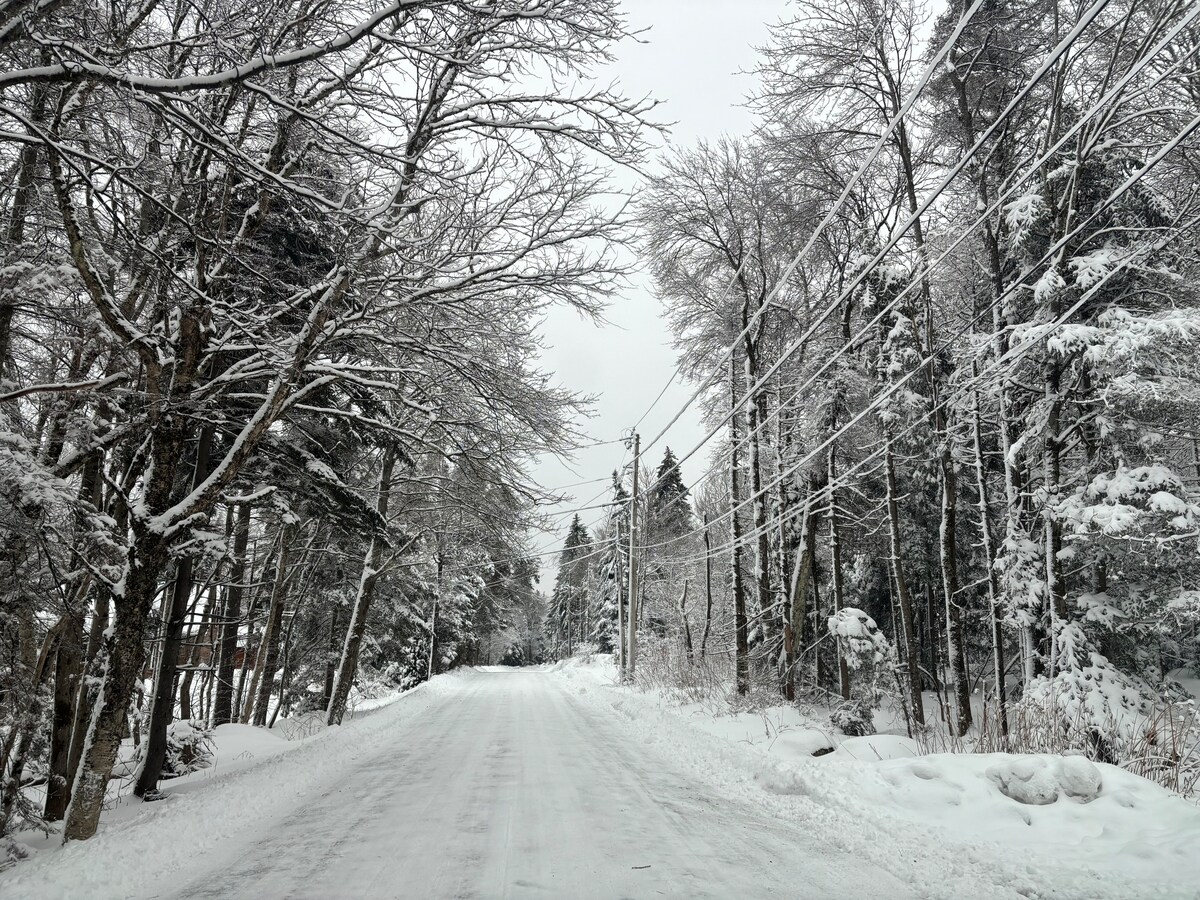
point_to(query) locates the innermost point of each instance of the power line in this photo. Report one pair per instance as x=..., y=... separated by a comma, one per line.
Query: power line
x=893, y=123
x=1064, y=45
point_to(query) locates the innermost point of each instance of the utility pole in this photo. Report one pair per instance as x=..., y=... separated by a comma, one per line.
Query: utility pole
x=619, y=578
x=631, y=665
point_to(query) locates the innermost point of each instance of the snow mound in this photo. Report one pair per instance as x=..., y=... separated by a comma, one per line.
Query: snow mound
x=297, y=728
x=1039, y=781
x=242, y=743
x=876, y=747
x=1107, y=835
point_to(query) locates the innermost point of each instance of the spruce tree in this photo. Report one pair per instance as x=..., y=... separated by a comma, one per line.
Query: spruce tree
x=669, y=513
x=567, y=617
x=608, y=587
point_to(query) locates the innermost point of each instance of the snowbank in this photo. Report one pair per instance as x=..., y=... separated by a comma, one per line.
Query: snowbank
x=950, y=825
x=258, y=776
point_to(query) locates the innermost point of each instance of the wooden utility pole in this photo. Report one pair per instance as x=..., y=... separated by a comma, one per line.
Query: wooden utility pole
x=708, y=597
x=631, y=663
x=621, y=633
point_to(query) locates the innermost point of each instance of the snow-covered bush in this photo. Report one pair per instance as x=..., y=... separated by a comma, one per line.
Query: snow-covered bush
x=854, y=717
x=1040, y=781
x=862, y=645
x=868, y=654
x=663, y=664
x=12, y=851
x=189, y=748
x=1097, y=712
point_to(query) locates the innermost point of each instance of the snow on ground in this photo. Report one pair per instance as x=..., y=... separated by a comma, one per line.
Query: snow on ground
x=559, y=783
x=482, y=785
x=949, y=820
x=258, y=776
x=1186, y=679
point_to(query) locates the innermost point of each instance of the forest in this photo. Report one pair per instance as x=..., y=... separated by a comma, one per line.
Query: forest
x=266, y=334
x=270, y=298
x=940, y=309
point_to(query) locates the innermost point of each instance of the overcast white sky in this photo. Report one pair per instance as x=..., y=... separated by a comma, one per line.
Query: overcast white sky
x=689, y=61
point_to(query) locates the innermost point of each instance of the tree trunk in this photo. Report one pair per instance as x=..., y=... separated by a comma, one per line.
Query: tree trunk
x=174, y=612
x=189, y=676
x=118, y=667
x=231, y=616
x=989, y=559
x=19, y=740
x=904, y=599
x=687, y=628
x=269, y=655
x=330, y=658
x=802, y=569
x=69, y=664
x=756, y=416
x=285, y=681
x=247, y=689
x=1052, y=473
x=708, y=595
x=68, y=667
x=27, y=164
x=429, y=671
x=835, y=564
x=955, y=651
x=742, y=636
x=162, y=708
x=362, y=604
x=86, y=699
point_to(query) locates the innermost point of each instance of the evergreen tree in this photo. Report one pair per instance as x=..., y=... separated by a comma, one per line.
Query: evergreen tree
x=567, y=617
x=669, y=518
x=669, y=510
x=608, y=585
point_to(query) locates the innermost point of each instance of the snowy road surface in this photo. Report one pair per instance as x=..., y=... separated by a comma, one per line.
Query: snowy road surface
x=510, y=787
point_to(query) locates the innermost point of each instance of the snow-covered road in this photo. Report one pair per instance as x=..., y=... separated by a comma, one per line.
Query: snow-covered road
x=508, y=786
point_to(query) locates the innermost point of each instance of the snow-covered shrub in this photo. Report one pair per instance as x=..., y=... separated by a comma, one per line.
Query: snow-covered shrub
x=859, y=639
x=663, y=664
x=1095, y=711
x=189, y=748
x=1089, y=690
x=868, y=654
x=12, y=851
x=1039, y=781
x=854, y=717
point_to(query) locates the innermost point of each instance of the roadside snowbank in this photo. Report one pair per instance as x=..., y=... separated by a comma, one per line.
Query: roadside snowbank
x=948, y=823
x=143, y=849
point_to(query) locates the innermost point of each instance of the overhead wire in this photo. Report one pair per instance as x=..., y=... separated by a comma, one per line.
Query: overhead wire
x=1063, y=46
x=1130, y=181
x=1086, y=19
x=963, y=234
x=880, y=143
x=907, y=104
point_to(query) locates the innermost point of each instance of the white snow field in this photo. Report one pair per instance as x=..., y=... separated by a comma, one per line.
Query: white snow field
x=559, y=784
